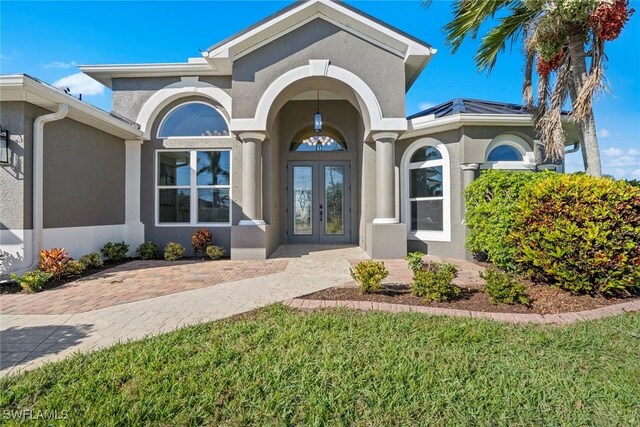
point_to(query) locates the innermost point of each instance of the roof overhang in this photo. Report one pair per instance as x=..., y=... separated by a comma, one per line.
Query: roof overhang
x=415, y=53
x=20, y=87
x=195, y=67
x=430, y=125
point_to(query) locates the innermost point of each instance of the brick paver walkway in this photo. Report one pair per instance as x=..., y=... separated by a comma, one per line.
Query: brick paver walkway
x=136, y=281
x=29, y=340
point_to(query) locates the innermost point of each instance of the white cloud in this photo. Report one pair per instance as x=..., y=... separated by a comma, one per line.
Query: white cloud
x=60, y=64
x=80, y=83
x=612, y=152
x=636, y=174
x=604, y=133
x=425, y=105
x=633, y=152
x=4, y=57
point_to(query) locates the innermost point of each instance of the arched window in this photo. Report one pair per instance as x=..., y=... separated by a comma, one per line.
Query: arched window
x=509, y=152
x=193, y=119
x=309, y=140
x=425, y=191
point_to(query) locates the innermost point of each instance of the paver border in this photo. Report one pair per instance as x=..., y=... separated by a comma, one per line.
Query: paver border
x=521, y=318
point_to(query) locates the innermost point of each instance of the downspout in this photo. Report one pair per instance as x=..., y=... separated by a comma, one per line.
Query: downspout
x=38, y=178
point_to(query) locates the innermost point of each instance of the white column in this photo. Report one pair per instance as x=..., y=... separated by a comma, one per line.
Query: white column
x=385, y=178
x=134, y=229
x=251, y=178
x=468, y=173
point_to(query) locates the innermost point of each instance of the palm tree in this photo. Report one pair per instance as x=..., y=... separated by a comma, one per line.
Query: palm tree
x=558, y=37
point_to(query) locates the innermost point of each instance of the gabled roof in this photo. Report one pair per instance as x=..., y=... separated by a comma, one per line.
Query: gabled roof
x=22, y=87
x=415, y=53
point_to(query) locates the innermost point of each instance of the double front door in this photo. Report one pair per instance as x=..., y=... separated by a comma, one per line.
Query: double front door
x=319, y=202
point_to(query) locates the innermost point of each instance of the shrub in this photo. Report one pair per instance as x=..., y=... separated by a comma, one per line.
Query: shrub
x=148, y=250
x=32, y=281
x=436, y=266
x=173, y=251
x=433, y=283
x=490, y=203
x=581, y=233
x=215, y=252
x=369, y=275
x=53, y=261
x=200, y=241
x=504, y=288
x=92, y=260
x=115, y=251
x=414, y=259
x=74, y=268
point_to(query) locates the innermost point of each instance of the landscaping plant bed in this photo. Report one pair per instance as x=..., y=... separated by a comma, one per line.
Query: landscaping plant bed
x=544, y=299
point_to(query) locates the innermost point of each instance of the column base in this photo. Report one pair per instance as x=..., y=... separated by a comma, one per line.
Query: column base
x=249, y=241
x=386, y=240
x=134, y=235
x=385, y=221
x=251, y=222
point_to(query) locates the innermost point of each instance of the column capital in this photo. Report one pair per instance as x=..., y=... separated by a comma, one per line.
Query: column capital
x=378, y=136
x=133, y=142
x=469, y=166
x=259, y=136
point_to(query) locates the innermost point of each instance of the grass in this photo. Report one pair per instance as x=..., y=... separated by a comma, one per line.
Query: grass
x=276, y=366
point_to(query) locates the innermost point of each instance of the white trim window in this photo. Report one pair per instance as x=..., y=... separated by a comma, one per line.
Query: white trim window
x=194, y=119
x=193, y=188
x=509, y=151
x=426, y=192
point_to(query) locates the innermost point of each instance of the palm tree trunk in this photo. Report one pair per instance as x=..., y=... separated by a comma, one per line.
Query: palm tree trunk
x=587, y=125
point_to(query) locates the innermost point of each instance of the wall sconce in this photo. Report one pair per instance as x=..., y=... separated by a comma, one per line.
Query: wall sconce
x=4, y=146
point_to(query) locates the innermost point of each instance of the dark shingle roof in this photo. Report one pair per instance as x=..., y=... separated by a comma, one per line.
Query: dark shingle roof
x=471, y=106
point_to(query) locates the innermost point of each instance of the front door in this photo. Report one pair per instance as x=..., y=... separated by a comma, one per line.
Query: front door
x=318, y=202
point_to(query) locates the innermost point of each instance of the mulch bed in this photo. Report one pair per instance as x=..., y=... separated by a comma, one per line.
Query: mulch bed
x=544, y=299
x=15, y=288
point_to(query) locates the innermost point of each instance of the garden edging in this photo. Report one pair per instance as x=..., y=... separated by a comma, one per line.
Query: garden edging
x=559, y=318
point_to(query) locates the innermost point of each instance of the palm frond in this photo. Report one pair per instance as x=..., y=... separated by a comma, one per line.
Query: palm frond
x=509, y=30
x=468, y=16
x=584, y=102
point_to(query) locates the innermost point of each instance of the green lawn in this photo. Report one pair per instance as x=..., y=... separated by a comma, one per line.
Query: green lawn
x=281, y=367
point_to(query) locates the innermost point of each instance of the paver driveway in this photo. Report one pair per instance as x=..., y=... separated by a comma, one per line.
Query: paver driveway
x=82, y=323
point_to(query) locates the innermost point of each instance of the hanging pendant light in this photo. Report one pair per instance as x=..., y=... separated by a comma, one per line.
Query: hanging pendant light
x=317, y=117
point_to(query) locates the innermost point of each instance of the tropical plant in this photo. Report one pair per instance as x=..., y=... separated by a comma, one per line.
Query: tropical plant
x=53, y=261
x=434, y=282
x=581, y=233
x=369, y=275
x=173, y=251
x=215, y=252
x=74, y=268
x=32, y=281
x=148, y=250
x=92, y=260
x=504, y=287
x=490, y=204
x=414, y=259
x=115, y=251
x=200, y=241
x=558, y=36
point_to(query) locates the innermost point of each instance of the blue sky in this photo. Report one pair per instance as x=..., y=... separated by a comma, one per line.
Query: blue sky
x=49, y=39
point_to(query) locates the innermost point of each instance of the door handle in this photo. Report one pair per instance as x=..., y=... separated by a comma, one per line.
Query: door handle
x=320, y=213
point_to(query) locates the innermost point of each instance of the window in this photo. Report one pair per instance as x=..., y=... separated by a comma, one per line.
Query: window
x=509, y=151
x=193, y=119
x=308, y=140
x=504, y=153
x=193, y=187
x=425, y=191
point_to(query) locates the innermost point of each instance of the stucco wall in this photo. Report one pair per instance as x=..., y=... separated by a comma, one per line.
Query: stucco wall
x=381, y=70
x=130, y=94
x=478, y=138
x=15, y=178
x=161, y=235
x=84, y=176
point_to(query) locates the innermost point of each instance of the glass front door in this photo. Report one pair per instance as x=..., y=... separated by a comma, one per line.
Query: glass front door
x=319, y=204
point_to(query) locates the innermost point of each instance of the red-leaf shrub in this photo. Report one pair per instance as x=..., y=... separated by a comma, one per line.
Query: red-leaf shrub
x=53, y=261
x=200, y=240
x=608, y=19
x=581, y=233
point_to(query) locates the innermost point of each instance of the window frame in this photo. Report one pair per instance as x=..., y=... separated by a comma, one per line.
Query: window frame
x=193, y=187
x=182, y=104
x=528, y=156
x=406, y=166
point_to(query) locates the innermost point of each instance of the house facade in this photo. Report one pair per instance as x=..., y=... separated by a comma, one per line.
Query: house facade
x=292, y=131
